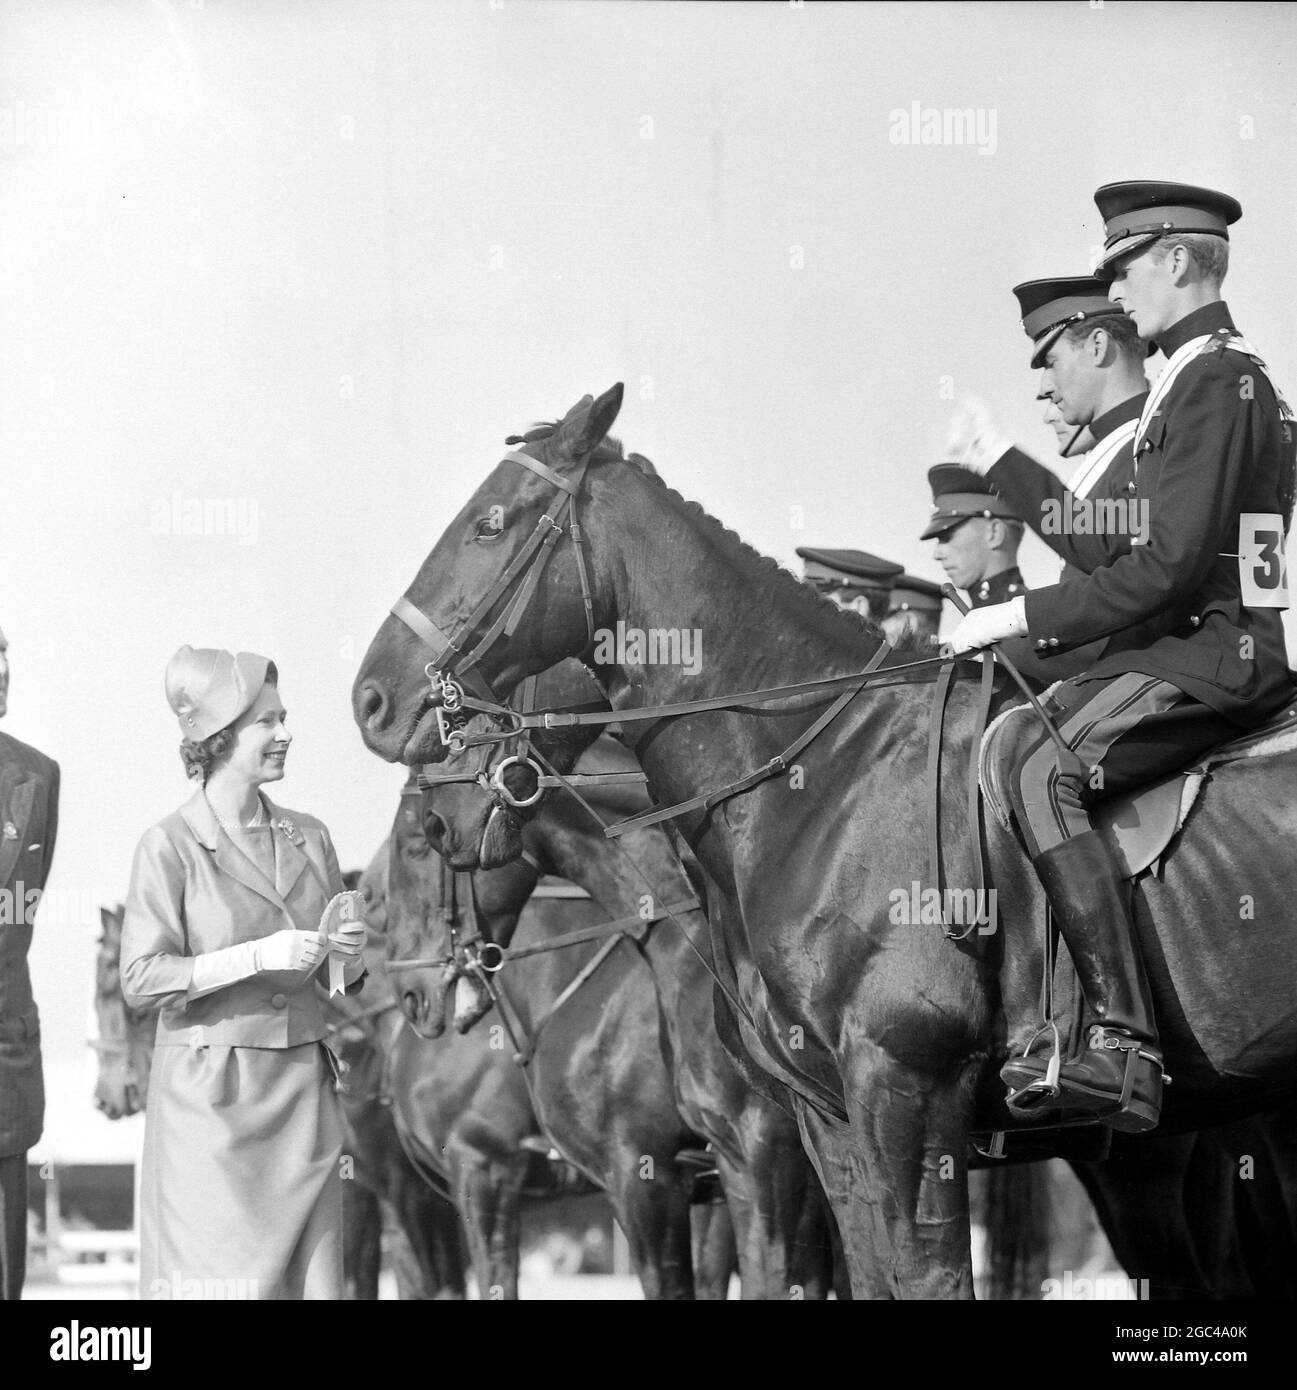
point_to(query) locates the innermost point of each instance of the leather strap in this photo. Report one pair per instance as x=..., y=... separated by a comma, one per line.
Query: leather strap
x=779, y=764
x=936, y=719
x=622, y=926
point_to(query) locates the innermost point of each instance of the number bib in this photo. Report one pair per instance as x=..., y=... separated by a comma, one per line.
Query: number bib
x=1262, y=566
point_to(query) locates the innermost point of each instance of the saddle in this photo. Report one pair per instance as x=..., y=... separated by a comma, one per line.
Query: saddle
x=1141, y=823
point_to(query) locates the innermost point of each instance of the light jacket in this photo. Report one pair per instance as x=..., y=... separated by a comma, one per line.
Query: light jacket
x=193, y=890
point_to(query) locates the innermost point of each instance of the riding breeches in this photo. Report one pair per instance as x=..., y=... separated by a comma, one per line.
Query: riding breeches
x=1127, y=731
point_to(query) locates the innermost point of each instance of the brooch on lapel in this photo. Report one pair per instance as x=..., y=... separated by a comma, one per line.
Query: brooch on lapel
x=287, y=827
x=10, y=830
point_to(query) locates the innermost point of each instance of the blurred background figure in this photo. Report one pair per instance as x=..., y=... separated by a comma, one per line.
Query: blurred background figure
x=29, y=798
x=851, y=578
x=913, y=611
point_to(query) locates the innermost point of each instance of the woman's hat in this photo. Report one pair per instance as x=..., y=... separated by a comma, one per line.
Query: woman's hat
x=209, y=688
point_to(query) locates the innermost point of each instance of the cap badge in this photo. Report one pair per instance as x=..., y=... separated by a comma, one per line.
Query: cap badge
x=10, y=830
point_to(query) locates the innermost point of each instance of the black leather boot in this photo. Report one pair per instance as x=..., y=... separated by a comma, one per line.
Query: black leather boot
x=1118, y=1076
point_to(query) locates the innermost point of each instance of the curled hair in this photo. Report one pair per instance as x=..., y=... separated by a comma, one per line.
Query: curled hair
x=201, y=756
x=1209, y=253
x=1119, y=327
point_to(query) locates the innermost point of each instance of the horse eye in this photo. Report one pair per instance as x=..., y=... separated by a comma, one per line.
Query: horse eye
x=488, y=529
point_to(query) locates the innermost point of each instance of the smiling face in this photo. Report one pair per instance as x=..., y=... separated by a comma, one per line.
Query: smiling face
x=261, y=740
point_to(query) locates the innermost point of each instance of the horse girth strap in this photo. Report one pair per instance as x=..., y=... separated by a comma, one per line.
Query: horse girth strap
x=936, y=724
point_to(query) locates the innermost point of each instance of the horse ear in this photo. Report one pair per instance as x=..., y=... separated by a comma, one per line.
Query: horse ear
x=585, y=425
x=644, y=465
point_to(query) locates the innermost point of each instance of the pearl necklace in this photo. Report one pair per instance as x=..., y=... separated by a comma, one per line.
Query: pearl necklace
x=251, y=825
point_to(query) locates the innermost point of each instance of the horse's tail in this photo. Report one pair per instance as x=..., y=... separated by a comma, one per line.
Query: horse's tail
x=1016, y=1220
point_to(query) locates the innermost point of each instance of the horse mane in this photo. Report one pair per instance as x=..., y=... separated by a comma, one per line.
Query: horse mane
x=609, y=450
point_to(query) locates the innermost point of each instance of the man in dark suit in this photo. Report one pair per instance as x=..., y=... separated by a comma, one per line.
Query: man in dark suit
x=29, y=797
x=1190, y=612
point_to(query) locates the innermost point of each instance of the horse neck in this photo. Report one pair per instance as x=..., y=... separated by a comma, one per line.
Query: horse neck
x=621, y=878
x=758, y=625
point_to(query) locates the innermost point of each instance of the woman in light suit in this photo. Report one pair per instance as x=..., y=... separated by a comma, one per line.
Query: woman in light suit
x=240, y=1185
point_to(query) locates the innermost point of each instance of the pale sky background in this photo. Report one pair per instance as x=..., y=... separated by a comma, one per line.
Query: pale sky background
x=318, y=259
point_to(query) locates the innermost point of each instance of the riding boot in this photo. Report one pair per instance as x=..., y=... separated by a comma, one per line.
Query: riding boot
x=1118, y=1075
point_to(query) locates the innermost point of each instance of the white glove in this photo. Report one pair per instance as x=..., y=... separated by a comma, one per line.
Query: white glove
x=342, y=923
x=974, y=439
x=290, y=950
x=285, y=950
x=347, y=942
x=981, y=626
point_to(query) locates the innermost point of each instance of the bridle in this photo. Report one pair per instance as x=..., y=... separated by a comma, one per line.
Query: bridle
x=454, y=670
x=458, y=912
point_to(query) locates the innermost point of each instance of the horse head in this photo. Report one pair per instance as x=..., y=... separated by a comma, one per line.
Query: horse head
x=514, y=551
x=438, y=922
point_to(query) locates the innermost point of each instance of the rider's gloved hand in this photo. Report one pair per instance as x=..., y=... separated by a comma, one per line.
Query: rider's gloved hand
x=981, y=626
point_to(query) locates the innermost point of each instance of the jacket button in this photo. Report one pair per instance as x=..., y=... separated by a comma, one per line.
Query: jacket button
x=1130, y=487
x=1195, y=620
x=278, y=1000
x=1053, y=641
x=1040, y=642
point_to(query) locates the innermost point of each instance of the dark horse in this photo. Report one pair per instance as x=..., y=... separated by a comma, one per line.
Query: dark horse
x=774, y=1199
x=1171, y=1205
x=597, y=1081
x=461, y=1110
x=888, y=1034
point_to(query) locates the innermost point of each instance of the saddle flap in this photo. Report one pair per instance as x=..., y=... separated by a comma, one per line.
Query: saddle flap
x=1142, y=823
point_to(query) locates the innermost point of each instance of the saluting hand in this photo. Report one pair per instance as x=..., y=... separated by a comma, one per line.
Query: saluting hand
x=974, y=439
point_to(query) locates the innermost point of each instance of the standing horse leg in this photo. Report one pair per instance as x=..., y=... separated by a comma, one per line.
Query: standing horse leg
x=714, y=1250
x=897, y=1180
x=652, y=1208
x=1139, y=1196
x=488, y=1195
x=784, y=1250
x=431, y=1226
x=362, y=1232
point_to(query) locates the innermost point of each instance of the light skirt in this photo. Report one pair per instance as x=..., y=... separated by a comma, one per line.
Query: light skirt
x=240, y=1191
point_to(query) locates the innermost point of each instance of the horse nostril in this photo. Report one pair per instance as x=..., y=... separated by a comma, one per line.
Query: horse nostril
x=371, y=705
x=434, y=831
